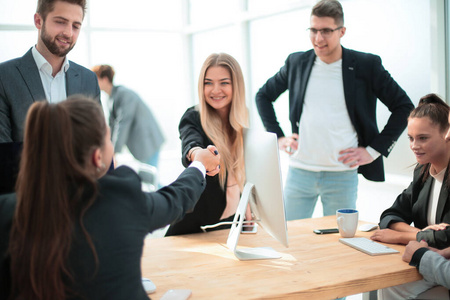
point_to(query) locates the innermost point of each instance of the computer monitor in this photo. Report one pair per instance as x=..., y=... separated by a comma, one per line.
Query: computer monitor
x=263, y=190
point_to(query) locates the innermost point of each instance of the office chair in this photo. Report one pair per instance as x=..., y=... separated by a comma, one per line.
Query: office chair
x=436, y=293
x=147, y=173
x=149, y=176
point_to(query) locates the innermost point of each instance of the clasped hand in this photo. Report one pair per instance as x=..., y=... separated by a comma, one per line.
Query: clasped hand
x=210, y=158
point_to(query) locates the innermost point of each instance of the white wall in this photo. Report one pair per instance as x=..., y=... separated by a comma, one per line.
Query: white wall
x=384, y=27
x=157, y=48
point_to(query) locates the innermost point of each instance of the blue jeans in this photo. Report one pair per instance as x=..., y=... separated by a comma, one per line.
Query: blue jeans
x=336, y=190
x=154, y=159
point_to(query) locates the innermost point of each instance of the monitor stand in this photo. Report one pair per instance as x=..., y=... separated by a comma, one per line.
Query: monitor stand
x=236, y=227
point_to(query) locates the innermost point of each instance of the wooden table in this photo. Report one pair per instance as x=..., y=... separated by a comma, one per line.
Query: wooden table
x=313, y=267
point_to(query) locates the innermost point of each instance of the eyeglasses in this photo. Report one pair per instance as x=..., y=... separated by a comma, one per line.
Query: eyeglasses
x=326, y=32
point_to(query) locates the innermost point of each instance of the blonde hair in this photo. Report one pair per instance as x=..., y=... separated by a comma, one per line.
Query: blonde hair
x=231, y=148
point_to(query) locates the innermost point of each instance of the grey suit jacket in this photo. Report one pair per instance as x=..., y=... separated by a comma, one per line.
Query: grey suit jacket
x=20, y=86
x=435, y=268
x=133, y=124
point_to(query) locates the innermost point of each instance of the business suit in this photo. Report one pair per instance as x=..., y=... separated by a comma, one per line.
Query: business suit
x=213, y=200
x=364, y=80
x=117, y=222
x=133, y=124
x=20, y=86
x=412, y=206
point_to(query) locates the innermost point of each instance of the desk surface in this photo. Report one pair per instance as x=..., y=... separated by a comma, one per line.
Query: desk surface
x=313, y=267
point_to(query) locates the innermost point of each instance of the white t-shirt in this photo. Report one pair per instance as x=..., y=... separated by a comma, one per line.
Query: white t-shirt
x=325, y=127
x=434, y=195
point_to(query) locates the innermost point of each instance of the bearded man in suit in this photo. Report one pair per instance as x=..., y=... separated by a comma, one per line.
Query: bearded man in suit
x=44, y=72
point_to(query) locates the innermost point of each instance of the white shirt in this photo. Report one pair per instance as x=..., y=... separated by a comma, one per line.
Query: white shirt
x=199, y=166
x=325, y=127
x=54, y=87
x=434, y=195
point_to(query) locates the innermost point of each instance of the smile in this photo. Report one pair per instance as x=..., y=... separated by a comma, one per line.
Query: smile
x=63, y=41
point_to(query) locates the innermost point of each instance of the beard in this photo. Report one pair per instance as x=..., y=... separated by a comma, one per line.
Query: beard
x=52, y=45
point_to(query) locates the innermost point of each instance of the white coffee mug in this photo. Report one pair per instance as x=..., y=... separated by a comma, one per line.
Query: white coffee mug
x=347, y=221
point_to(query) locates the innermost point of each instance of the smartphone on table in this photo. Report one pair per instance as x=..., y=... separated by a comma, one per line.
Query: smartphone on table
x=326, y=231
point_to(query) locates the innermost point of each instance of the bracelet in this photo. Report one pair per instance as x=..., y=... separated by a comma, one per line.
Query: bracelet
x=192, y=152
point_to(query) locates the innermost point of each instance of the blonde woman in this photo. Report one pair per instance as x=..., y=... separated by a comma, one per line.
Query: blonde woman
x=218, y=120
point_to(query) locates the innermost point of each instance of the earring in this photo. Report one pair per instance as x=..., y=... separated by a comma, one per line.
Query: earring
x=101, y=168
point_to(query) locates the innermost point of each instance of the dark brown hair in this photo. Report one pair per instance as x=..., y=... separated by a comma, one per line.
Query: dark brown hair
x=104, y=71
x=436, y=110
x=51, y=188
x=44, y=7
x=329, y=8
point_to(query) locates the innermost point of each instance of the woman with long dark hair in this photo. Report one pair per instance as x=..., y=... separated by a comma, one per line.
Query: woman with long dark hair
x=74, y=231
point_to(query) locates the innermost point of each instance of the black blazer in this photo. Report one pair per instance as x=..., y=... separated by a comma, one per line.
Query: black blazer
x=9, y=165
x=212, y=202
x=412, y=206
x=365, y=80
x=118, y=221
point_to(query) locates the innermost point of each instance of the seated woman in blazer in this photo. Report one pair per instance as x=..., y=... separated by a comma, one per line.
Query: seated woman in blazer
x=218, y=120
x=71, y=231
x=426, y=201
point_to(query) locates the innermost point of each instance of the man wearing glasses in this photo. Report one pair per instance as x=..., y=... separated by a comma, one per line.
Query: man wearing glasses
x=332, y=102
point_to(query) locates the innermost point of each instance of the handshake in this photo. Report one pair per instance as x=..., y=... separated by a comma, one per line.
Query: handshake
x=209, y=157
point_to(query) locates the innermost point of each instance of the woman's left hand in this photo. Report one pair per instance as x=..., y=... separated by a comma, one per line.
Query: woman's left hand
x=394, y=237
x=386, y=236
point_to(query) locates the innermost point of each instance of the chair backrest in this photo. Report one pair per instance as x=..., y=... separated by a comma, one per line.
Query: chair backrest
x=147, y=173
x=149, y=177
